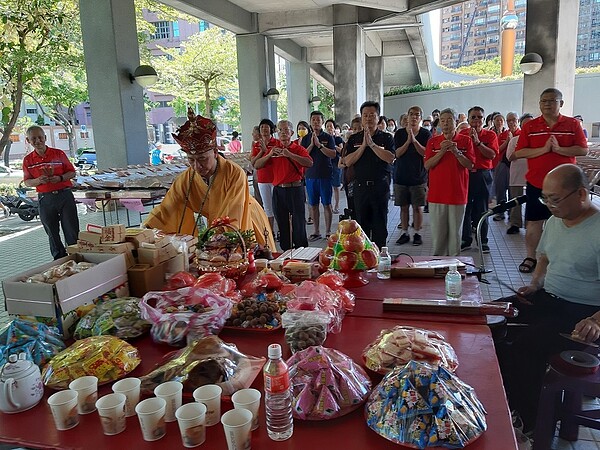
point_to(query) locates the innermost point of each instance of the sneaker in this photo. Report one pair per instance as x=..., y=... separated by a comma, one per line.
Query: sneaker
x=513, y=230
x=465, y=246
x=417, y=240
x=403, y=239
x=485, y=248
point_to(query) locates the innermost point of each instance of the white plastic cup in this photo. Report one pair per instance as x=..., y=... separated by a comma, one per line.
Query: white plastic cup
x=111, y=409
x=210, y=395
x=130, y=387
x=151, y=414
x=63, y=405
x=171, y=392
x=87, y=393
x=237, y=424
x=191, y=419
x=248, y=399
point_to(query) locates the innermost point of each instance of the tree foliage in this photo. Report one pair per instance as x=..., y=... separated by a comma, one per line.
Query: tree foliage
x=489, y=68
x=202, y=70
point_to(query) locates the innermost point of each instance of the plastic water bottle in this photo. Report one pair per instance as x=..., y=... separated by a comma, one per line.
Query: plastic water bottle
x=278, y=396
x=384, y=270
x=453, y=284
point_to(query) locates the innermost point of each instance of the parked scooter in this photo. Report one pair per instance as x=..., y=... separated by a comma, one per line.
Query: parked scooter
x=25, y=207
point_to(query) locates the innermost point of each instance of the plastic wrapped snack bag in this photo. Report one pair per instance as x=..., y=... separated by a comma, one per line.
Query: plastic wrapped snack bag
x=120, y=317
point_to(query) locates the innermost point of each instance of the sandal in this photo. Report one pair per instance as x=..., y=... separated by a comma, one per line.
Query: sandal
x=528, y=265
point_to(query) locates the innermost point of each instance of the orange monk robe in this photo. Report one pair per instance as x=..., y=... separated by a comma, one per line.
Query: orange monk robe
x=229, y=196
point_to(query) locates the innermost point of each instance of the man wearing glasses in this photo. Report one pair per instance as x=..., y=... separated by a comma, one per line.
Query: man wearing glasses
x=564, y=293
x=547, y=142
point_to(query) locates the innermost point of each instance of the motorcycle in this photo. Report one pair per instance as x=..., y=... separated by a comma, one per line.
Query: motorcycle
x=26, y=208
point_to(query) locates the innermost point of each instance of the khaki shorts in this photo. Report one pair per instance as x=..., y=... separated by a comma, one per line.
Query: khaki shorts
x=410, y=195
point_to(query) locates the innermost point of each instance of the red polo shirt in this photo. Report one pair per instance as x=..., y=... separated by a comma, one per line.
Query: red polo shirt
x=264, y=175
x=448, y=180
x=536, y=133
x=284, y=169
x=487, y=138
x=54, y=162
x=501, y=139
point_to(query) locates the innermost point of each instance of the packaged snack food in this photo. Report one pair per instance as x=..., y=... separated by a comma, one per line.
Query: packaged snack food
x=259, y=312
x=326, y=384
x=219, y=284
x=206, y=361
x=106, y=357
x=186, y=313
x=120, y=317
x=55, y=273
x=304, y=328
x=401, y=344
x=312, y=296
x=420, y=406
x=38, y=341
x=335, y=281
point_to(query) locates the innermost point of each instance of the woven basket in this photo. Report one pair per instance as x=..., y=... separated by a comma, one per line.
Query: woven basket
x=216, y=255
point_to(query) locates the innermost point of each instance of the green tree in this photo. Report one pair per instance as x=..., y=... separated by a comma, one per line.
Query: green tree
x=489, y=68
x=33, y=38
x=204, y=69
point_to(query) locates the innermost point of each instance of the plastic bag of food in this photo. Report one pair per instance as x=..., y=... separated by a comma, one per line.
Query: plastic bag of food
x=420, y=406
x=326, y=384
x=335, y=281
x=120, y=317
x=304, y=328
x=106, y=357
x=38, y=341
x=349, y=249
x=180, y=280
x=401, y=344
x=206, y=361
x=312, y=296
x=261, y=312
x=266, y=281
x=58, y=272
x=187, y=313
x=219, y=284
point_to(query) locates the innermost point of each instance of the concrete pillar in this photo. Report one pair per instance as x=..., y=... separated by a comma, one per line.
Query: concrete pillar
x=349, y=71
x=256, y=74
x=298, y=90
x=374, y=79
x=550, y=33
x=111, y=52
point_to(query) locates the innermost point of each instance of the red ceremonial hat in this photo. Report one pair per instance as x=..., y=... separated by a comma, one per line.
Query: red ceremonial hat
x=198, y=135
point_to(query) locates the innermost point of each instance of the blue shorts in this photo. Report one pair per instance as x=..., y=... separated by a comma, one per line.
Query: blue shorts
x=319, y=188
x=336, y=177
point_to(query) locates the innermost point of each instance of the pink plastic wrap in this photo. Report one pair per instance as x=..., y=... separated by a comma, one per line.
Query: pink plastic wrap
x=401, y=344
x=219, y=284
x=326, y=384
x=335, y=281
x=189, y=312
x=420, y=406
x=312, y=296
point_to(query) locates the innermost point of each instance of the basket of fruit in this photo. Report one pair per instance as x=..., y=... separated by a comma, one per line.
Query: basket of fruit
x=222, y=249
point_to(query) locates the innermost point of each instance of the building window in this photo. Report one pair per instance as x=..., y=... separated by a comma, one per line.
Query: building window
x=175, y=29
x=31, y=111
x=203, y=25
x=163, y=30
x=63, y=136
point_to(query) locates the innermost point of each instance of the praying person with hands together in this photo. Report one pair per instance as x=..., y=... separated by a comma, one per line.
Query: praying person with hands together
x=288, y=160
x=564, y=293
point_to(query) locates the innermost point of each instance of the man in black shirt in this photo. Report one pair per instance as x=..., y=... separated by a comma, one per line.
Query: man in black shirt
x=410, y=176
x=371, y=152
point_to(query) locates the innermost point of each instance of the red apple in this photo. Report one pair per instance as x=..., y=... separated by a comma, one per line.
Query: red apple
x=348, y=226
x=325, y=257
x=347, y=260
x=369, y=257
x=332, y=240
x=353, y=243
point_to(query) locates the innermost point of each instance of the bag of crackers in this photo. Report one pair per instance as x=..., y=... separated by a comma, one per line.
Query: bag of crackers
x=106, y=357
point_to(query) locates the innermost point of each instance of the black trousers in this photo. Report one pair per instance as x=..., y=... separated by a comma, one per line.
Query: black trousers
x=480, y=186
x=371, y=208
x=289, y=202
x=59, y=210
x=524, y=354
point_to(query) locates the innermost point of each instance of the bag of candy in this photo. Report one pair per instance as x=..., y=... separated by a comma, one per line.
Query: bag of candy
x=312, y=296
x=120, y=317
x=106, y=357
x=304, y=328
x=38, y=341
x=187, y=313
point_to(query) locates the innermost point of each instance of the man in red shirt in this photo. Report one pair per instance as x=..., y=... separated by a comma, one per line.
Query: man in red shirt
x=448, y=157
x=485, y=143
x=547, y=142
x=265, y=175
x=50, y=172
x=287, y=161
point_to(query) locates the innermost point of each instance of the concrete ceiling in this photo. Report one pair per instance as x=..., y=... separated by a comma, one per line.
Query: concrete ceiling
x=305, y=27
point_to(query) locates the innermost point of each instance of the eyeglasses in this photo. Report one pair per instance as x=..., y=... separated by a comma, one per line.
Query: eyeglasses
x=554, y=203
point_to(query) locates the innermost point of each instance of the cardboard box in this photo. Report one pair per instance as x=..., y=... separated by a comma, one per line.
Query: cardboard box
x=166, y=252
x=144, y=278
x=148, y=256
x=59, y=299
x=85, y=247
x=175, y=264
x=137, y=236
x=92, y=238
x=110, y=234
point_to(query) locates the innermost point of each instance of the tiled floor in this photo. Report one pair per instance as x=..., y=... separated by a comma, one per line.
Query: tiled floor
x=25, y=251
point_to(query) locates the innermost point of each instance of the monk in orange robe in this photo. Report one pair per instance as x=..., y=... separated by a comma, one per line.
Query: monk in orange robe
x=212, y=185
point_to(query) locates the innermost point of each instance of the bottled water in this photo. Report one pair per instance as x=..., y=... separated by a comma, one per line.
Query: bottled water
x=278, y=396
x=384, y=270
x=453, y=284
